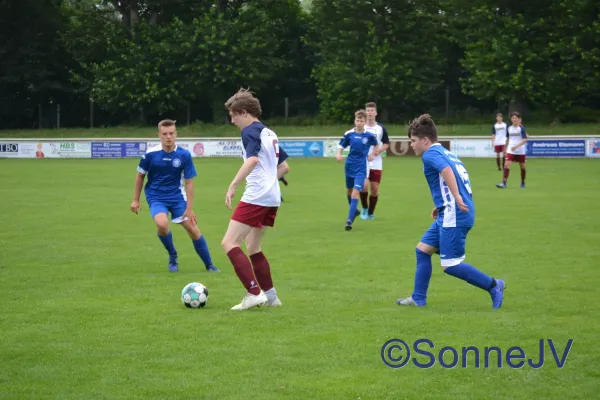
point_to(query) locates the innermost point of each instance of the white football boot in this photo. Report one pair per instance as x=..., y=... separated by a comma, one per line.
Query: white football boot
x=250, y=301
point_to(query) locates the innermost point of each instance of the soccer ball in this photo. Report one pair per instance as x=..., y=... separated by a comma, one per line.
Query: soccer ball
x=194, y=295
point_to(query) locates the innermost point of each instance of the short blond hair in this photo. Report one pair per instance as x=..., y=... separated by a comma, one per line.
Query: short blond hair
x=371, y=104
x=360, y=114
x=244, y=100
x=166, y=123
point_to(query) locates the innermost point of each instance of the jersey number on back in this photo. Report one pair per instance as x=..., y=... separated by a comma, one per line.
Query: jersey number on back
x=462, y=171
x=276, y=147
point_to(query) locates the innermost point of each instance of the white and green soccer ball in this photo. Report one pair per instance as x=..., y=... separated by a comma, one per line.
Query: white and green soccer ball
x=194, y=295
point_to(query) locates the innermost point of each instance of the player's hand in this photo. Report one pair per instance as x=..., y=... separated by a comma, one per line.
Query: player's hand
x=461, y=204
x=191, y=216
x=434, y=213
x=513, y=148
x=339, y=157
x=371, y=157
x=135, y=206
x=229, y=197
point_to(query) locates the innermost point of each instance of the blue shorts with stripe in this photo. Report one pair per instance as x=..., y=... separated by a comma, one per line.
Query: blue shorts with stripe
x=451, y=242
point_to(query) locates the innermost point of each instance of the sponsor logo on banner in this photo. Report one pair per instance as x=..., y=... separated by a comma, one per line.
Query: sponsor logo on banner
x=402, y=148
x=118, y=149
x=302, y=148
x=593, y=148
x=19, y=150
x=330, y=148
x=66, y=150
x=478, y=148
x=556, y=148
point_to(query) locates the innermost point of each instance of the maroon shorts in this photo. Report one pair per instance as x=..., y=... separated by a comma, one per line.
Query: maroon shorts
x=375, y=175
x=515, y=157
x=254, y=216
x=499, y=149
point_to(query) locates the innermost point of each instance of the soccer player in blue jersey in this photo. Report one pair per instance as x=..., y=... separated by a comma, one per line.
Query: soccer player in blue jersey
x=360, y=143
x=170, y=189
x=454, y=216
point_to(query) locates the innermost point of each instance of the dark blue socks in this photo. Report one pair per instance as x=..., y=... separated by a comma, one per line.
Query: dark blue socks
x=353, y=206
x=422, y=276
x=202, y=249
x=167, y=241
x=472, y=275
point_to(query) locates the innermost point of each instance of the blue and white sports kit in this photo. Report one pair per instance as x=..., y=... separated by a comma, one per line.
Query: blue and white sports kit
x=356, y=167
x=449, y=232
x=166, y=173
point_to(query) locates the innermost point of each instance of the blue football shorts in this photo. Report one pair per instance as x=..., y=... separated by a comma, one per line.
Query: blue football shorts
x=176, y=208
x=355, y=182
x=451, y=242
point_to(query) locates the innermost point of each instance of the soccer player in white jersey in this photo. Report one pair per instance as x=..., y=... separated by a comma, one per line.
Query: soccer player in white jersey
x=499, y=140
x=375, y=162
x=454, y=215
x=516, y=150
x=258, y=206
x=170, y=188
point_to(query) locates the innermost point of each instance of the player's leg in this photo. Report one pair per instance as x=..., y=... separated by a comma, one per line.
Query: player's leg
x=523, y=170
x=262, y=268
x=375, y=181
x=452, y=256
x=498, y=152
x=507, y=165
x=244, y=218
x=159, y=212
x=357, y=186
x=427, y=246
x=349, y=185
x=364, y=199
x=197, y=237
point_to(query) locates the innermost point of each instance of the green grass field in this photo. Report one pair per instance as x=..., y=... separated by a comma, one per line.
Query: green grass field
x=206, y=130
x=90, y=311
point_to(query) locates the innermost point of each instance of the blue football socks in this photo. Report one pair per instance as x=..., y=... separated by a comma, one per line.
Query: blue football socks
x=422, y=277
x=352, y=212
x=202, y=249
x=472, y=275
x=167, y=241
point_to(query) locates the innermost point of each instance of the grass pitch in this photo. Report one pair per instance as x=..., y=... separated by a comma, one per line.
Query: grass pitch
x=90, y=311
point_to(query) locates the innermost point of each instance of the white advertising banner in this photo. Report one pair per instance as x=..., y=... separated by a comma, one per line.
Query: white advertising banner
x=593, y=148
x=213, y=148
x=480, y=148
x=32, y=149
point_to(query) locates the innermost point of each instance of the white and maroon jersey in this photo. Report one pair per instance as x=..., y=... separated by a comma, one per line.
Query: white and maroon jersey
x=499, y=129
x=262, y=185
x=515, y=135
x=382, y=138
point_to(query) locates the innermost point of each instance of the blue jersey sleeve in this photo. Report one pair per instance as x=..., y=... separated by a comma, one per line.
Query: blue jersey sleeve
x=493, y=129
x=189, y=170
x=373, y=140
x=344, y=142
x=435, y=161
x=251, y=141
x=144, y=164
x=282, y=156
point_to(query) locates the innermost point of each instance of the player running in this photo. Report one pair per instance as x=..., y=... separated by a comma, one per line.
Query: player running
x=499, y=140
x=375, y=162
x=360, y=143
x=170, y=189
x=515, y=149
x=454, y=216
x=258, y=206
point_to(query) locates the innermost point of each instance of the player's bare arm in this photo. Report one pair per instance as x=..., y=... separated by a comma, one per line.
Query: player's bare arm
x=434, y=213
x=137, y=190
x=282, y=169
x=242, y=174
x=189, y=210
x=450, y=180
x=339, y=156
